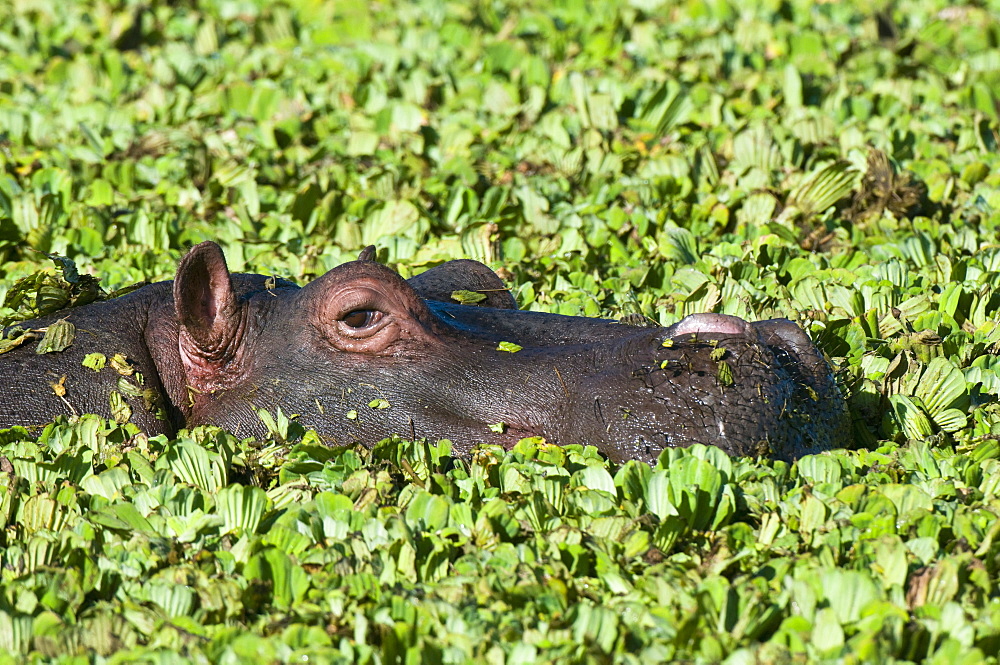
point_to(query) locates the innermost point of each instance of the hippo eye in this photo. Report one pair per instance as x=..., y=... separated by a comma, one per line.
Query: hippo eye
x=361, y=318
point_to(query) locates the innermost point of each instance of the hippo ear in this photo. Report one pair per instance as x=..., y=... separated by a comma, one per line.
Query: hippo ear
x=368, y=253
x=207, y=314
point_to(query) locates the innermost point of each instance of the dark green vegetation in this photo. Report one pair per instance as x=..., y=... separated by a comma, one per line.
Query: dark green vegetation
x=818, y=162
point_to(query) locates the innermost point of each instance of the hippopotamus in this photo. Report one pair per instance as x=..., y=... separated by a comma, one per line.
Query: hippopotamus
x=361, y=354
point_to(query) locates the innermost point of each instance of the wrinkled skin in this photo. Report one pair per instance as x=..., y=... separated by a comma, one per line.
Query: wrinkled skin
x=213, y=348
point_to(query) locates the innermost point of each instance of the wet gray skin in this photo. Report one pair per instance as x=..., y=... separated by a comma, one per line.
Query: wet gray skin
x=360, y=354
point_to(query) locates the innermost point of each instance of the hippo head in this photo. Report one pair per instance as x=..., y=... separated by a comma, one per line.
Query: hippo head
x=361, y=353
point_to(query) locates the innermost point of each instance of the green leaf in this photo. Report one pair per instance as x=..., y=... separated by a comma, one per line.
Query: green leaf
x=754, y=148
x=597, y=478
x=658, y=495
x=194, y=465
x=595, y=625
x=824, y=186
x=120, y=409
x=679, y=245
x=59, y=336
x=109, y=484
x=812, y=518
x=827, y=633
x=666, y=108
x=95, y=361
x=911, y=418
x=287, y=581
x=123, y=516
x=14, y=338
x=942, y=386
x=819, y=469
x=15, y=632
x=696, y=491
x=176, y=600
x=907, y=498
x=633, y=479
x=464, y=297
x=242, y=508
x=951, y=420
x=427, y=512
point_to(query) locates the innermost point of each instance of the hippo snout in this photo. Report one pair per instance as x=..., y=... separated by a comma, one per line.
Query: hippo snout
x=750, y=388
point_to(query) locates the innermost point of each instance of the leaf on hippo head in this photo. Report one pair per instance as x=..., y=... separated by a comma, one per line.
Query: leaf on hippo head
x=15, y=337
x=281, y=427
x=67, y=266
x=464, y=297
x=58, y=337
x=44, y=292
x=509, y=347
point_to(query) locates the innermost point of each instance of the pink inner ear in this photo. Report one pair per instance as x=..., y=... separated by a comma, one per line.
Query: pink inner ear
x=208, y=307
x=203, y=299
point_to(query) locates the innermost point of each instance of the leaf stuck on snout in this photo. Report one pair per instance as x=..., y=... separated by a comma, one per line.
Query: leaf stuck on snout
x=120, y=409
x=121, y=364
x=509, y=347
x=725, y=373
x=95, y=361
x=59, y=387
x=129, y=388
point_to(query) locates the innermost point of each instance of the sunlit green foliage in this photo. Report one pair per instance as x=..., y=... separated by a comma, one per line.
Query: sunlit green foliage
x=119, y=544
x=835, y=163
